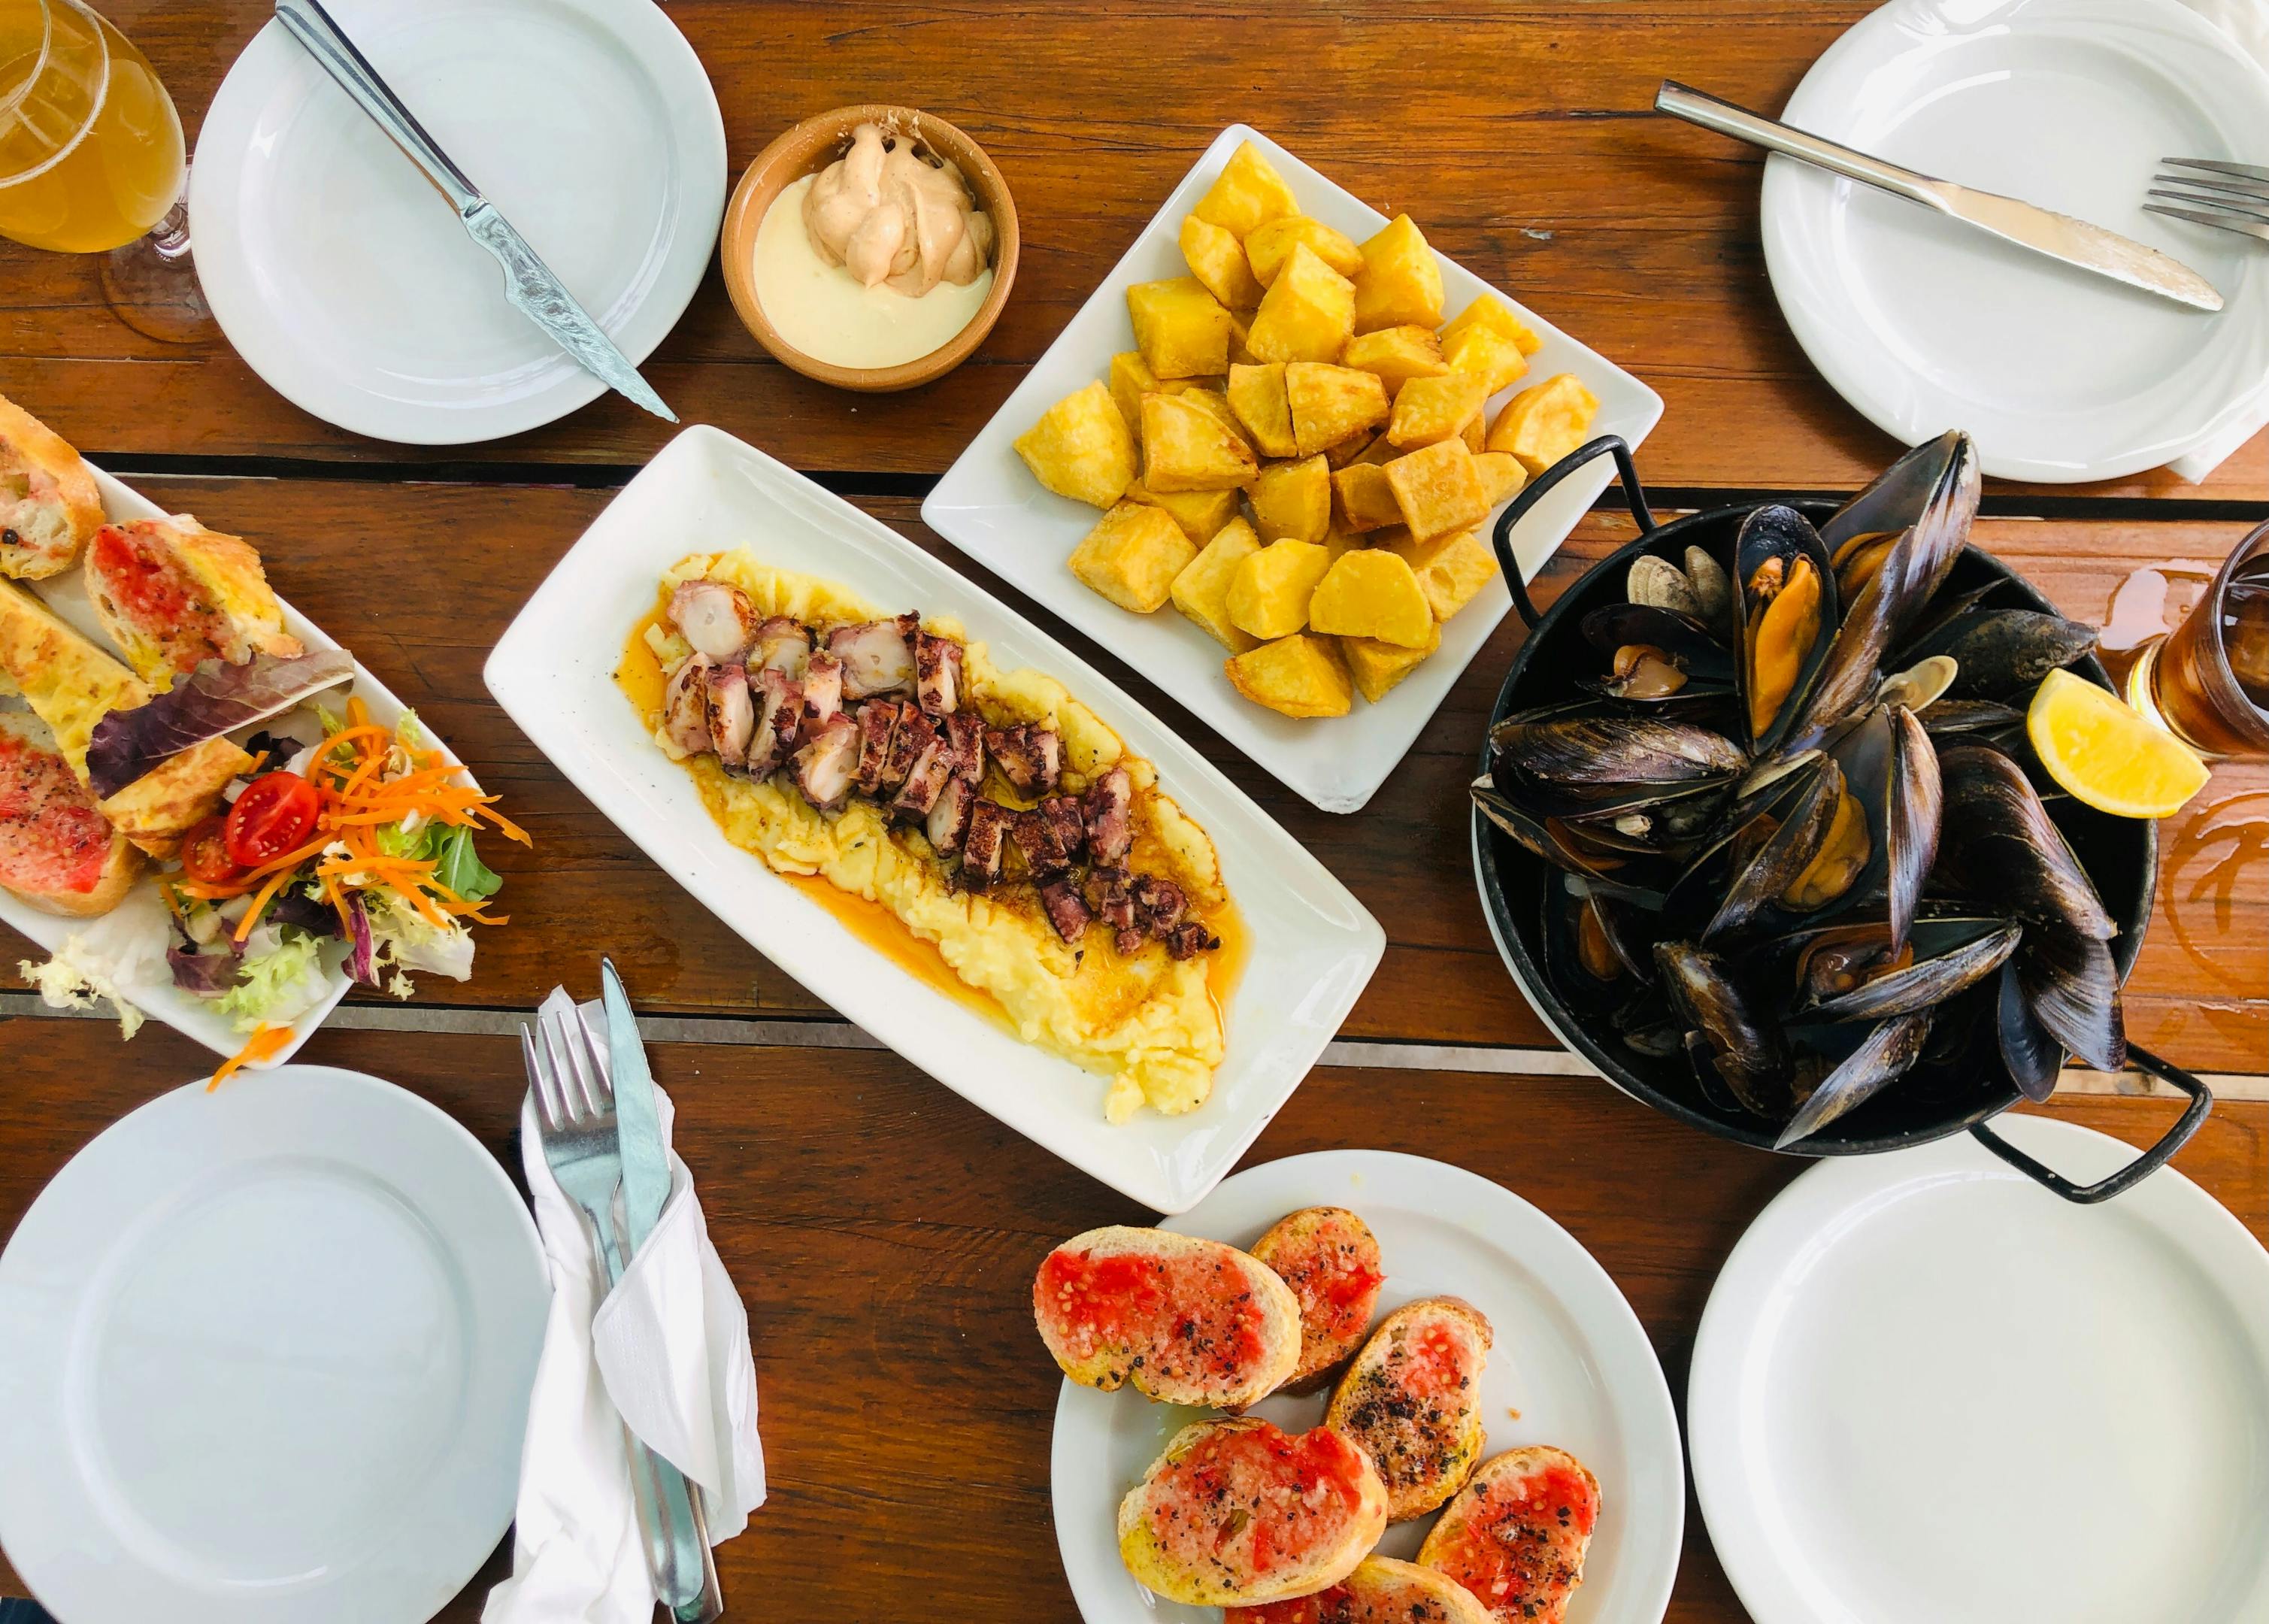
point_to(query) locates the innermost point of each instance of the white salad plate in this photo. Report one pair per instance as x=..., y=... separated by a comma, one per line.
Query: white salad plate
x=1925, y=1388
x=128, y=945
x=1571, y=1367
x=990, y=506
x=265, y=1356
x=1312, y=946
x=345, y=279
x=1923, y=324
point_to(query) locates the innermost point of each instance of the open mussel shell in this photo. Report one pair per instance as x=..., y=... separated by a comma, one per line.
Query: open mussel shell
x=1656, y=654
x=1947, y=958
x=1592, y=751
x=2005, y=652
x=1548, y=838
x=1805, y=816
x=2034, y=1058
x=1913, y=811
x=1883, y=1057
x=1660, y=824
x=1954, y=718
x=1927, y=499
x=1785, y=600
x=2071, y=988
x=1727, y=1029
x=1604, y=939
x=2001, y=849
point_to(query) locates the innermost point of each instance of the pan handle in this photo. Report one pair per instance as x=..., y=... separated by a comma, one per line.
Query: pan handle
x=2136, y=1171
x=1535, y=493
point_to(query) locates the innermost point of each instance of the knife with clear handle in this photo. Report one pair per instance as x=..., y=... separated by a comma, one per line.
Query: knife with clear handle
x=2044, y=230
x=529, y=283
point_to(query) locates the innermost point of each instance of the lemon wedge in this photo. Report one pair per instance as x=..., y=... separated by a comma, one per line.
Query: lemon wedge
x=2100, y=749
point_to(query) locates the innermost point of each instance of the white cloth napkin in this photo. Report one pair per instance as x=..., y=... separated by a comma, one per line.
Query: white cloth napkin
x=667, y=1353
x=2246, y=22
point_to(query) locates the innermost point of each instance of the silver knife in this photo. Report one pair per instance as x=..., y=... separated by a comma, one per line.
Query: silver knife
x=529, y=283
x=645, y=1163
x=2044, y=230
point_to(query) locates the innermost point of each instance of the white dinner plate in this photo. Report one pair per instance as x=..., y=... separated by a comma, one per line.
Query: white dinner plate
x=345, y=279
x=150, y=988
x=990, y=506
x=1571, y=1367
x=265, y=1356
x=1925, y=1388
x=1312, y=946
x=1924, y=324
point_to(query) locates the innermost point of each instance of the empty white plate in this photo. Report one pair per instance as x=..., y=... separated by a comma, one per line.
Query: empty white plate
x=1924, y=324
x=1925, y=1388
x=264, y=1357
x=1571, y=1367
x=345, y=281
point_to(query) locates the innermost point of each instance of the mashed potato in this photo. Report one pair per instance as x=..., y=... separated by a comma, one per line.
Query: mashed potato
x=1148, y=1021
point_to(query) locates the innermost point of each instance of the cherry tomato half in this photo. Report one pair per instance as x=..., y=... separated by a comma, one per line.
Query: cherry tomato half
x=274, y=813
x=205, y=854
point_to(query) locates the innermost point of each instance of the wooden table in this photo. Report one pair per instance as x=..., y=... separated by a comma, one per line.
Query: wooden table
x=881, y=1231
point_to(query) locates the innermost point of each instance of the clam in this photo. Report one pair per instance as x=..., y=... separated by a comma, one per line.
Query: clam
x=1784, y=596
x=1920, y=685
x=1699, y=591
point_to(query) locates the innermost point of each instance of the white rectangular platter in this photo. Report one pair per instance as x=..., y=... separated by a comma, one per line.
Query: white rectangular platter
x=990, y=506
x=151, y=988
x=1314, y=947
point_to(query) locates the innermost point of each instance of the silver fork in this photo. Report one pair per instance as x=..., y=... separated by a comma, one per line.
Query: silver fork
x=576, y=1121
x=2231, y=197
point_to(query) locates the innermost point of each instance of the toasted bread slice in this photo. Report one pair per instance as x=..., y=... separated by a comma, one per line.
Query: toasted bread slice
x=1237, y=1512
x=1330, y=1260
x=57, y=852
x=1380, y=1591
x=1185, y=1320
x=158, y=809
x=1412, y=1399
x=173, y=594
x=48, y=506
x=1516, y=1536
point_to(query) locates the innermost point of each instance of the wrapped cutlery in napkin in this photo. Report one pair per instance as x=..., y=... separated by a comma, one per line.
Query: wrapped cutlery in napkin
x=665, y=1354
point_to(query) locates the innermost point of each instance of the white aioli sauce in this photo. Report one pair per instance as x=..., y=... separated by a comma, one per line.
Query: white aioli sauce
x=829, y=314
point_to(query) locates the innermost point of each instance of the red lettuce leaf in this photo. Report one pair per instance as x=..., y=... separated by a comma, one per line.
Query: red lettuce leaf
x=212, y=700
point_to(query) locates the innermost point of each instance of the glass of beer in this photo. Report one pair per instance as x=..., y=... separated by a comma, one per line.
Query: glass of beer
x=2208, y=680
x=92, y=160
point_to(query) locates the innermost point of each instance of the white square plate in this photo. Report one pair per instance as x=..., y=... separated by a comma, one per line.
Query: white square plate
x=1314, y=947
x=990, y=506
x=154, y=992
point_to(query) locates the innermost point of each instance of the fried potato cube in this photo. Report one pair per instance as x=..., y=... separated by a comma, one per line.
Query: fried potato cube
x=1240, y=338
x=1476, y=433
x=1268, y=595
x=1081, y=447
x=1217, y=405
x=1370, y=593
x=1337, y=543
x=1436, y=408
x=1308, y=314
x=1256, y=395
x=1248, y=193
x=1217, y=258
x=1541, y=425
x=1201, y=590
x=1293, y=500
x=1365, y=498
x=1451, y=569
x=1378, y=667
x=1181, y=328
x=1331, y=405
x=1397, y=354
x=1201, y=513
x=1502, y=475
x=1296, y=676
x=1492, y=312
x=1400, y=281
x=1132, y=556
x=1131, y=379
x=1485, y=353
x=1271, y=245
x=1438, y=489
x=1187, y=446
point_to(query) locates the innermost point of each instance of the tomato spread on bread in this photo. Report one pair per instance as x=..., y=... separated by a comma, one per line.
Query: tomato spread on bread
x=1517, y=1537
x=1330, y=1260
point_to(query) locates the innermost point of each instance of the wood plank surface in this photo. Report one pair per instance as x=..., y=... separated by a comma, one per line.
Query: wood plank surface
x=2199, y=995
x=1517, y=133
x=884, y=1233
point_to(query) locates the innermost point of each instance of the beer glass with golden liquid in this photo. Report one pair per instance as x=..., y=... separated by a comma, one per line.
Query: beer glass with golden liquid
x=2208, y=679
x=91, y=160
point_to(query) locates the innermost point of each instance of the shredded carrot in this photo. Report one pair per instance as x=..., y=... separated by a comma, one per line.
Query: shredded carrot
x=265, y=1044
x=267, y=894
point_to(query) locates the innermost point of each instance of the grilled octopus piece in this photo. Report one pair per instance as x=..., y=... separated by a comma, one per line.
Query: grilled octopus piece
x=949, y=816
x=912, y=739
x=937, y=674
x=783, y=645
x=684, y=730
x=964, y=735
x=876, y=658
x=983, y=845
x=879, y=722
x=822, y=688
x=824, y=765
x=1030, y=757
x=716, y=619
x=1159, y=905
x=1105, y=809
x=1066, y=909
x=732, y=716
x=779, y=723
x=927, y=780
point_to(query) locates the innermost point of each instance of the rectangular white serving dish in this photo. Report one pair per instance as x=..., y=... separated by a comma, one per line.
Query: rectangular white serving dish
x=990, y=506
x=1314, y=947
x=155, y=994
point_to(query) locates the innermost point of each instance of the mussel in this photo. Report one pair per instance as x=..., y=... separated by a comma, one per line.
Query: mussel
x=1592, y=751
x=1887, y=1054
x=2006, y=652
x=1655, y=653
x=1925, y=502
x=2071, y=988
x=1808, y=843
x=1727, y=1029
x=1784, y=596
x=1862, y=972
x=2002, y=849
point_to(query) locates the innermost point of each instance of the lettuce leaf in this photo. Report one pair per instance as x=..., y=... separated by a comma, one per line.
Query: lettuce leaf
x=459, y=867
x=212, y=700
x=276, y=987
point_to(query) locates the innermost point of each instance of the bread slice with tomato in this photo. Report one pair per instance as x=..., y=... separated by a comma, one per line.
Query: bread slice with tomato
x=1380, y=1591
x=1237, y=1512
x=1184, y=1320
x=1412, y=1399
x=49, y=508
x=1517, y=1535
x=57, y=852
x=173, y=594
x=1329, y=1258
